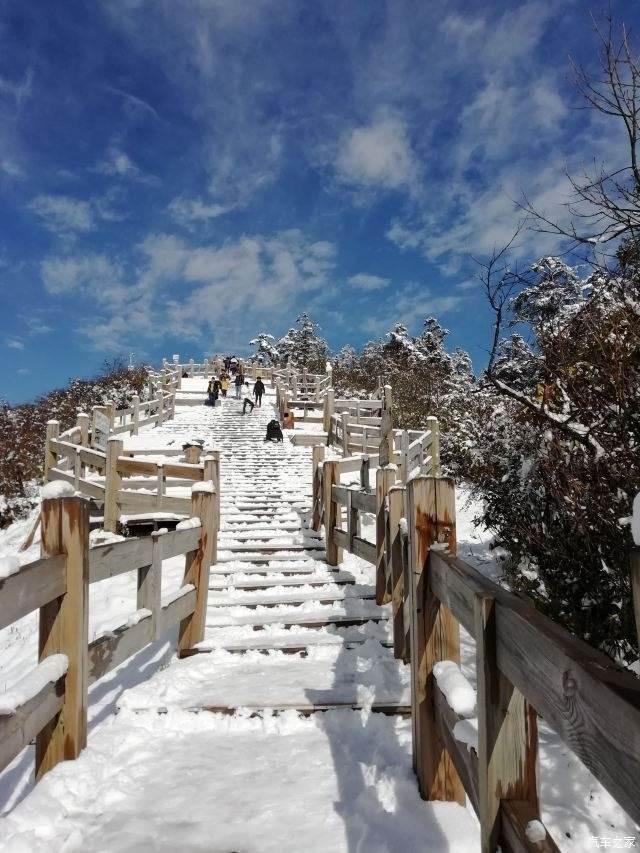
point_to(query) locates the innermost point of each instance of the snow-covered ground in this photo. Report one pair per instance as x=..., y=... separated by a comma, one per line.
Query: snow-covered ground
x=163, y=775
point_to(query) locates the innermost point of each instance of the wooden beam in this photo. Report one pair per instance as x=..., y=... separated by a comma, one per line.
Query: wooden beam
x=330, y=479
x=64, y=630
x=434, y=636
x=394, y=563
x=197, y=565
x=112, y=485
x=385, y=478
x=507, y=734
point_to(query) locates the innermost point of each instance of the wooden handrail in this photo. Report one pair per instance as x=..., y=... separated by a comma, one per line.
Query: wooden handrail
x=57, y=586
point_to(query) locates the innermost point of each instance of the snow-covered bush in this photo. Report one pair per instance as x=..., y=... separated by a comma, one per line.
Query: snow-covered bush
x=426, y=380
x=557, y=462
x=23, y=428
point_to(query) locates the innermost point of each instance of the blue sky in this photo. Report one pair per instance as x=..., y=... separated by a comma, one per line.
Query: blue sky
x=176, y=177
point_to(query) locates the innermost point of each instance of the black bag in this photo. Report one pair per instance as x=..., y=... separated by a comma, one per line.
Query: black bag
x=274, y=433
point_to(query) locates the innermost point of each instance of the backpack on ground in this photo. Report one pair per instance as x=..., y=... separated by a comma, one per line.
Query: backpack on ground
x=274, y=432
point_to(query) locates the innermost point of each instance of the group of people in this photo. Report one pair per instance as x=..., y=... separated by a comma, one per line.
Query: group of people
x=218, y=387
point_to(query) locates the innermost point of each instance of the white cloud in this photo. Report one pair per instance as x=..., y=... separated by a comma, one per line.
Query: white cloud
x=63, y=214
x=365, y=281
x=14, y=343
x=91, y=274
x=377, y=155
x=118, y=164
x=193, y=211
x=200, y=292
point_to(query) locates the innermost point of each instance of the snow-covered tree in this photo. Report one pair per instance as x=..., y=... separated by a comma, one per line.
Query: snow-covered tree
x=303, y=347
x=265, y=350
x=558, y=461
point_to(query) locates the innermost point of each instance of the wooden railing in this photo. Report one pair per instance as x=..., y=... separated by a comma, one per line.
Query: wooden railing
x=526, y=665
x=51, y=701
x=122, y=484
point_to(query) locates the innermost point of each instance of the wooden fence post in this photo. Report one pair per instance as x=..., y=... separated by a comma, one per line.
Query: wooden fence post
x=344, y=418
x=84, y=422
x=150, y=584
x=404, y=455
x=317, y=458
x=135, y=415
x=330, y=477
x=365, y=470
x=434, y=426
x=385, y=478
x=435, y=634
x=211, y=466
x=53, y=431
x=110, y=411
x=394, y=562
x=112, y=484
x=329, y=404
x=64, y=630
x=507, y=742
x=160, y=413
x=198, y=563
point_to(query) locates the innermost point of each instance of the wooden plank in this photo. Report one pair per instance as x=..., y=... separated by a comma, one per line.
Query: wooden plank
x=365, y=550
x=109, y=651
x=17, y=730
x=31, y=587
x=592, y=704
x=115, y=558
x=178, y=542
x=330, y=479
x=507, y=734
x=394, y=562
x=434, y=637
x=93, y=458
x=88, y=487
x=385, y=478
x=197, y=566
x=112, y=485
x=179, y=609
x=339, y=494
x=464, y=758
x=515, y=817
x=363, y=501
x=150, y=583
x=63, y=629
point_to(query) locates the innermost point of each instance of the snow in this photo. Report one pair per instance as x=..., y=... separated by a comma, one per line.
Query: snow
x=138, y=616
x=466, y=731
x=9, y=565
x=57, y=489
x=210, y=781
x=459, y=694
x=535, y=831
x=204, y=486
x=47, y=671
x=188, y=524
x=182, y=781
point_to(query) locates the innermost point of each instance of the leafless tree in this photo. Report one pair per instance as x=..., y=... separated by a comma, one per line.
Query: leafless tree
x=606, y=204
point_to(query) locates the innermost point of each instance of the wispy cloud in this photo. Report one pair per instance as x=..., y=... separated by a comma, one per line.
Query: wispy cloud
x=63, y=214
x=14, y=343
x=366, y=281
x=190, y=212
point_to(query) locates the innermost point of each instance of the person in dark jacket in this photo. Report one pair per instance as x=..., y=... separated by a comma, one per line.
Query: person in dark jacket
x=212, y=392
x=258, y=391
x=238, y=382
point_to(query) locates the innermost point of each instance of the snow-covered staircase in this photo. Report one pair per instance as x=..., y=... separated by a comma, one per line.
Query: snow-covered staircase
x=271, y=590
